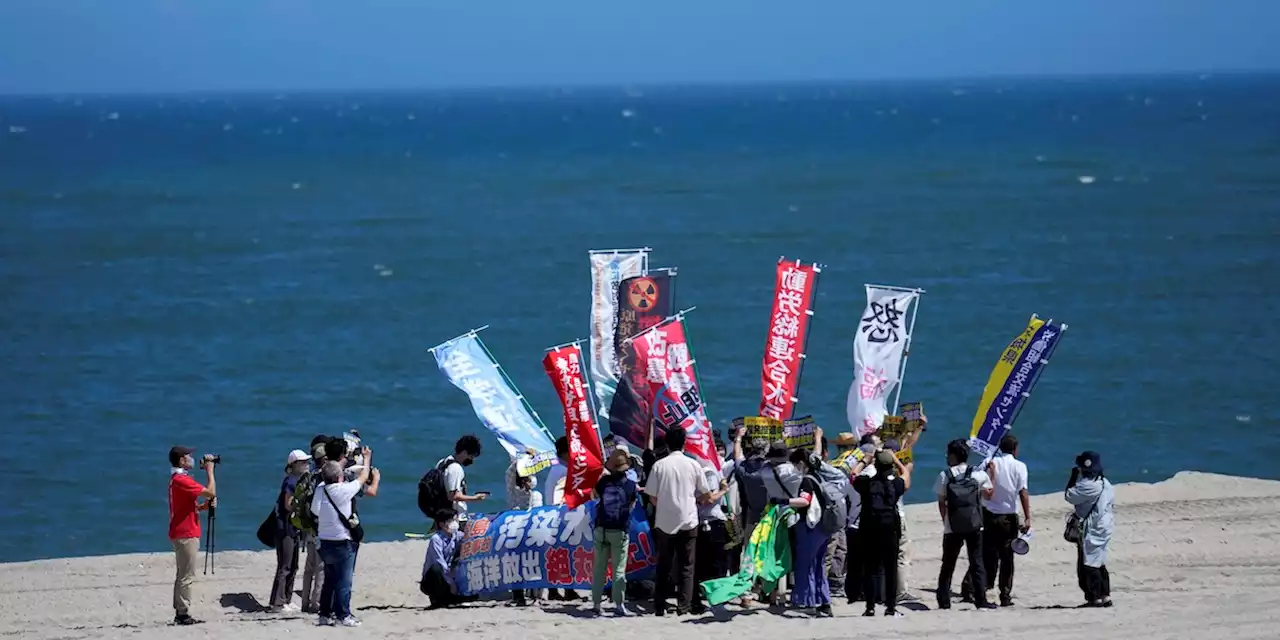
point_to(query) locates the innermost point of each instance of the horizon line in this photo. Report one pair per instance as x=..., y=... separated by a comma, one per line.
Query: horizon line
x=653, y=84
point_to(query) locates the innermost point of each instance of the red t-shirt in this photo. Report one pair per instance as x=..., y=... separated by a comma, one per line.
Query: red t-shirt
x=184, y=521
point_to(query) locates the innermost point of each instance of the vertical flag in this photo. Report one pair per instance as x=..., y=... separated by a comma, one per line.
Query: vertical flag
x=663, y=355
x=878, y=348
x=793, y=294
x=586, y=460
x=469, y=366
x=1015, y=373
x=608, y=270
x=643, y=303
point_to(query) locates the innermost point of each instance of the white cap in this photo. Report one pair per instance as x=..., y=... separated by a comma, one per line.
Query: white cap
x=296, y=455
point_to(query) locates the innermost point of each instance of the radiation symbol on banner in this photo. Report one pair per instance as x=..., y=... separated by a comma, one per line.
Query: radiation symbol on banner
x=643, y=295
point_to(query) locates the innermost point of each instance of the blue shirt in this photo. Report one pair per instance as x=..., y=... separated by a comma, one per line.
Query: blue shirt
x=441, y=548
x=282, y=512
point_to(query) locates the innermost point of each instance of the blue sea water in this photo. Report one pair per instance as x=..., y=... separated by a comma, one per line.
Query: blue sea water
x=241, y=272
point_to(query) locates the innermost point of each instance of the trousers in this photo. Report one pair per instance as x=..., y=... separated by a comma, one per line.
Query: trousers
x=187, y=553
x=677, y=553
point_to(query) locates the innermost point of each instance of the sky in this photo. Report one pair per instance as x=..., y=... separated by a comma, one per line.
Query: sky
x=66, y=46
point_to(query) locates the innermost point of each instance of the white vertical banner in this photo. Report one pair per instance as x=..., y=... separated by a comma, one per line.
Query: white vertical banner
x=879, y=346
x=608, y=269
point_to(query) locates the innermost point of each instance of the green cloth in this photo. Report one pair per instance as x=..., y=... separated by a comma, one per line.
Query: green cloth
x=611, y=549
x=766, y=557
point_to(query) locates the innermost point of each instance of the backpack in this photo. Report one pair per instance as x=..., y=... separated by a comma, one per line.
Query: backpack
x=963, y=512
x=831, y=500
x=833, y=483
x=433, y=499
x=302, y=518
x=879, y=509
x=613, y=512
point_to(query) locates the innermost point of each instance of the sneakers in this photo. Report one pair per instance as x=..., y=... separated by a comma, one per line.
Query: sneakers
x=185, y=620
x=986, y=606
x=291, y=608
x=824, y=611
x=621, y=611
x=596, y=611
x=890, y=613
x=350, y=621
x=869, y=613
x=325, y=621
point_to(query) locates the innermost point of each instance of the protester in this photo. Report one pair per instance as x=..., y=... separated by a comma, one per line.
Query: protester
x=437, y=569
x=959, y=489
x=453, y=468
x=781, y=482
x=676, y=485
x=880, y=525
x=713, y=533
x=855, y=560
x=1093, y=497
x=838, y=551
x=339, y=533
x=521, y=496
x=812, y=591
x=287, y=536
x=304, y=520
x=184, y=525
x=904, y=542
x=1000, y=526
x=554, y=494
x=616, y=493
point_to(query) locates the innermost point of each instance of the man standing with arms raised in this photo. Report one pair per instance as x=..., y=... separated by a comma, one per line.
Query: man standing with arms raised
x=184, y=525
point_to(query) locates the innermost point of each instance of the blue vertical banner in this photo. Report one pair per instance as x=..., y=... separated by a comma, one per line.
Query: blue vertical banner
x=1010, y=384
x=542, y=548
x=469, y=366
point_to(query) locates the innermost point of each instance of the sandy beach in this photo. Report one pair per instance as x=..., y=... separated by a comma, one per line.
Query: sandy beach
x=1193, y=553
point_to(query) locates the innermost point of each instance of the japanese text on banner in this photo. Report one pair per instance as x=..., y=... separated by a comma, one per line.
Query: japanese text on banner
x=878, y=348
x=798, y=433
x=545, y=547
x=1010, y=384
x=466, y=363
x=586, y=460
x=608, y=270
x=785, y=344
x=677, y=402
x=759, y=428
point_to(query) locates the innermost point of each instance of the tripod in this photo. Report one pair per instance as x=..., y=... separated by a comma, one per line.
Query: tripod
x=210, y=540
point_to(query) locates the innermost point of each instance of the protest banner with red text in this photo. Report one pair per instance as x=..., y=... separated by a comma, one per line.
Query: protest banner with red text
x=663, y=354
x=785, y=346
x=586, y=458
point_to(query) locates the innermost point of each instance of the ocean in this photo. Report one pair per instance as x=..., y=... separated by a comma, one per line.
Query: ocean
x=241, y=272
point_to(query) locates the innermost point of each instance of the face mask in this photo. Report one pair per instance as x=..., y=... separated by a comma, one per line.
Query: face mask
x=451, y=527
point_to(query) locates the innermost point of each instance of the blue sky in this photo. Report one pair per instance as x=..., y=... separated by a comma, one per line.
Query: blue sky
x=178, y=45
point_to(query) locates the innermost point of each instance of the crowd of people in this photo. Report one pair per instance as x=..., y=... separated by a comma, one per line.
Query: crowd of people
x=845, y=523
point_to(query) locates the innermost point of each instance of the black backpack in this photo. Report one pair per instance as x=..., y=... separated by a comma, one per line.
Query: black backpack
x=964, y=511
x=879, y=510
x=433, y=499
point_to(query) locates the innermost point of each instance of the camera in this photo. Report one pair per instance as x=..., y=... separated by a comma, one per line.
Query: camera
x=213, y=457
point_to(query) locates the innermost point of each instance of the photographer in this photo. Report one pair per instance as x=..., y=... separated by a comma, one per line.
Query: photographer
x=340, y=532
x=184, y=524
x=341, y=450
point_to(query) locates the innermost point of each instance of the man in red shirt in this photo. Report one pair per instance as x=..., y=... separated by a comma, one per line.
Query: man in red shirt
x=184, y=525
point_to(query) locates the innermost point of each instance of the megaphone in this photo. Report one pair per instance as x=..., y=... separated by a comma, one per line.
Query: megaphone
x=1022, y=544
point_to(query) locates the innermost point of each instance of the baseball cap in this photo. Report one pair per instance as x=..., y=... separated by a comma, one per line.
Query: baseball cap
x=622, y=446
x=176, y=454
x=884, y=458
x=296, y=455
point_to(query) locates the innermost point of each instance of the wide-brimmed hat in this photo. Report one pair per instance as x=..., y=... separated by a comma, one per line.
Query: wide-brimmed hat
x=846, y=439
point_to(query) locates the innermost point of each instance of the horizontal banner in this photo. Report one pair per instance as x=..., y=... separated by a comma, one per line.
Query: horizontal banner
x=542, y=548
x=798, y=433
x=759, y=428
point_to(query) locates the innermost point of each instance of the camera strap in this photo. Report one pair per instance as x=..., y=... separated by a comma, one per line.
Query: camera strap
x=345, y=521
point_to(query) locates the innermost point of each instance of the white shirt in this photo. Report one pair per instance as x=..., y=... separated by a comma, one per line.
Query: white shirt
x=940, y=486
x=1011, y=478
x=555, y=484
x=675, y=484
x=453, y=477
x=331, y=528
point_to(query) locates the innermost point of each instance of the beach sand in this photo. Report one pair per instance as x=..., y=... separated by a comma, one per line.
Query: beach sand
x=1193, y=554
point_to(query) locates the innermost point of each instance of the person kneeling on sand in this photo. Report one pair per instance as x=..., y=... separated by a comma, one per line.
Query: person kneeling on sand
x=437, y=570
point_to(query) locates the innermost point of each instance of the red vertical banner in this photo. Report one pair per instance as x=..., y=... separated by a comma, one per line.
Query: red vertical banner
x=784, y=350
x=663, y=354
x=586, y=456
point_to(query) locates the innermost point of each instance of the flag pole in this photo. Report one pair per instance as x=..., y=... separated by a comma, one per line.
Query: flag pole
x=906, y=349
x=457, y=338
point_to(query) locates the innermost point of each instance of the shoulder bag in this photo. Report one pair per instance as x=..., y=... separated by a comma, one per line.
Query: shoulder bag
x=356, y=530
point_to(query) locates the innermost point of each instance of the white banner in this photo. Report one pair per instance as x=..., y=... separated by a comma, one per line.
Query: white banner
x=608, y=269
x=877, y=355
